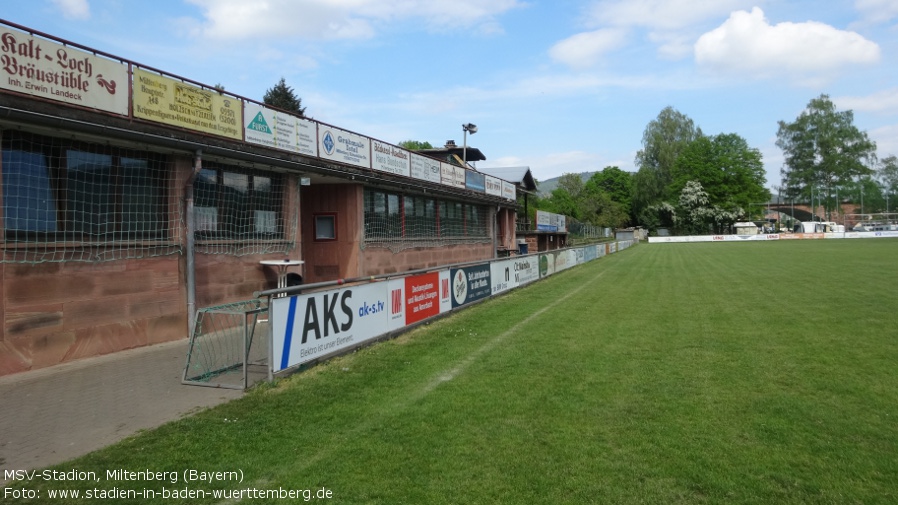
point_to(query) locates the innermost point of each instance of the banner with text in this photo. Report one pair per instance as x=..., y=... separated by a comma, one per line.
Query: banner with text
x=165, y=100
x=470, y=284
x=307, y=327
x=389, y=158
x=343, y=146
x=272, y=128
x=51, y=70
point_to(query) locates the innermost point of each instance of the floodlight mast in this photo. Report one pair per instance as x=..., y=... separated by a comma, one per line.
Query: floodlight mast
x=467, y=128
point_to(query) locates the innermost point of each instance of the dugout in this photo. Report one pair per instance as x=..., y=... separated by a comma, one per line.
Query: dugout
x=121, y=218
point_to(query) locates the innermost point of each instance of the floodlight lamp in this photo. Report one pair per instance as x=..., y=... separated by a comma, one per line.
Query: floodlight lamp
x=470, y=128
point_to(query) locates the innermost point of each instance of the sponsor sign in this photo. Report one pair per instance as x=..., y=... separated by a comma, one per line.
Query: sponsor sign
x=396, y=288
x=445, y=291
x=470, y=284
x=279, y=130
x=451, y=175
x=565, y=259
x=509, y=274
x=308, y=327
x=389, y=158
x=546, y=264
x=547, y=221
x=165, y=100
x=422, y=297
x=590, y=253
x=509, y=191
x=475, y=181
x=424, y=168
x=51, y=70
x=342, y=146
x=493, y=186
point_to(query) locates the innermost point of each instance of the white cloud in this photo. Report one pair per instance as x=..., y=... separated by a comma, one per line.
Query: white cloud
x=73, y=9
x=884, y=101
x=341, y=19
x=586, y=49
x=661, y=14
x=672, y=25
x=746, y=45
x=877, y=11
x=886, y=138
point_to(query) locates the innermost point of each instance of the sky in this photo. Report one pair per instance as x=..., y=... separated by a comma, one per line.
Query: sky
x=560, y=86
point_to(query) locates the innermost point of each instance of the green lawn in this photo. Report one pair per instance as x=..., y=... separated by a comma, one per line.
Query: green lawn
x=668, y=373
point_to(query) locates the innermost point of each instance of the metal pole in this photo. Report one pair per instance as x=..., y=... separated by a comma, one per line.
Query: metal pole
x=191, y=264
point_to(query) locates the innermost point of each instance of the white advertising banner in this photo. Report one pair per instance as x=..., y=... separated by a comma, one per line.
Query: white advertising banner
x=445, y=291
x=345, y=147
x=424, y=168
x=396, y=288
x=308, y=327
x=389, y=158
x=509, y=191
x=512, y=273
x=271, y=128
x=565, y=259
x=493, y=186
x=449, y=175
x=51, y=70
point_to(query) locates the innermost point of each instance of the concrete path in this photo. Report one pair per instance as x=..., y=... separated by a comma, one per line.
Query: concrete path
x=51, y=415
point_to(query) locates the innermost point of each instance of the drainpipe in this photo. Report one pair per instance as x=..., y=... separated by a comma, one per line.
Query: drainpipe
x=191, y=264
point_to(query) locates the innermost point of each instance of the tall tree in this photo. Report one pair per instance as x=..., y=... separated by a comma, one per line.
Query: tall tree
x=415, y=145
x=887, y=174
x=662, y=142
x=282, y=97
x=823, y=149
x=731, y=173
x=572, y=183
x=614, y=181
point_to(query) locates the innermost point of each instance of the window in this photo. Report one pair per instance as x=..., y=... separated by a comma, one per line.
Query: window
x=60, y=190
x=401, y=221
x=325, y=227
x=233, y=204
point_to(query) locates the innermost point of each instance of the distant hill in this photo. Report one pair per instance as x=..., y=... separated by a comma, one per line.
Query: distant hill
x=544, y=188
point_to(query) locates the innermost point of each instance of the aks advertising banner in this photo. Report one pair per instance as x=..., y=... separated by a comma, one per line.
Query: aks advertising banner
x=307, y=327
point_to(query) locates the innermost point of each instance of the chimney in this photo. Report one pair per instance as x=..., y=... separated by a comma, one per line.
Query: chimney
x=450, y=144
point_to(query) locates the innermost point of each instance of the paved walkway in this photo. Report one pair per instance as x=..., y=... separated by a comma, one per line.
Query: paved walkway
x=51, y=415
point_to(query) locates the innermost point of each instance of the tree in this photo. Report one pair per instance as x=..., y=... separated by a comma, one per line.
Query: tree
x=616, y=183
x=887, y=174
x=282, y=97
x=731, y=173
x=573, y=184
x=415, y=145
x=823, y=150
x=696, y=215
x=662, y=142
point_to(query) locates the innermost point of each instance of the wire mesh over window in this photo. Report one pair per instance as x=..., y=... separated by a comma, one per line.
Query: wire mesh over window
x=76, y=201
x=240, y=212
x=400, y=222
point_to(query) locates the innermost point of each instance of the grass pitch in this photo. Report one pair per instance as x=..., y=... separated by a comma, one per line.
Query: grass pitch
x=667, y=373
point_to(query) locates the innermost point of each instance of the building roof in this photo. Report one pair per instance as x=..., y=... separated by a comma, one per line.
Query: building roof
x=517, y=175
x=451, y=149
